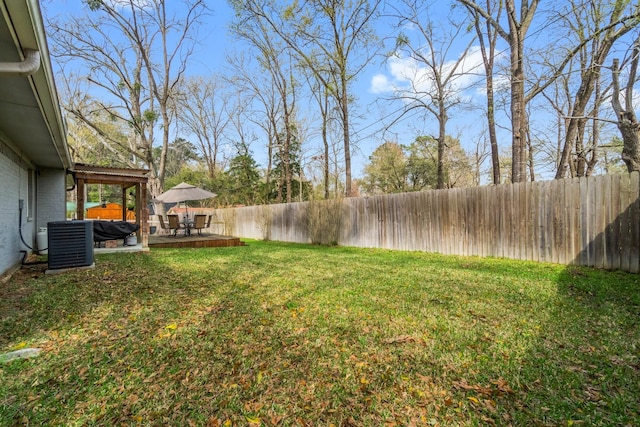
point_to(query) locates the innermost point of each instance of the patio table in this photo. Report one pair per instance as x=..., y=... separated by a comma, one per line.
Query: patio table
x=188, y=224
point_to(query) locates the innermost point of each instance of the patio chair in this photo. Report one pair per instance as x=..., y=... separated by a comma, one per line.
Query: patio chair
x=199, y=222
x=163, y=224
x=174, y=224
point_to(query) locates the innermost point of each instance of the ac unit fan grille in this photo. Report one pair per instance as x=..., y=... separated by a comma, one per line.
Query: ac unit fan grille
x=70, y=244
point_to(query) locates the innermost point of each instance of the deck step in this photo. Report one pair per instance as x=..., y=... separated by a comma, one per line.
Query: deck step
x=194, y=241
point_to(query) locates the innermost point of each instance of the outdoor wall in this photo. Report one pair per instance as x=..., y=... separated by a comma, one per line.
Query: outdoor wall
x=591, y=221
x=14, y=179
x=51, y=196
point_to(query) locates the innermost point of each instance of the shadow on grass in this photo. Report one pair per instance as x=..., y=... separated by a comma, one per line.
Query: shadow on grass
x=587, y=356
x=370, y=338
x=35, y=303
x=106, y=333
x=583, y=367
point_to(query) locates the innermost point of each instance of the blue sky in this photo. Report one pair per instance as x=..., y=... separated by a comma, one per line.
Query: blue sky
x=378, y=81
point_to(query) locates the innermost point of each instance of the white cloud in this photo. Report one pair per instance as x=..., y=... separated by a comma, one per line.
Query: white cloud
x=411, y=78
x=141, y=4
x=380, y=84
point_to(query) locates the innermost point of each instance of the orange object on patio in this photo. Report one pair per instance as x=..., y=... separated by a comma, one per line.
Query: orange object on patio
x=109, y=211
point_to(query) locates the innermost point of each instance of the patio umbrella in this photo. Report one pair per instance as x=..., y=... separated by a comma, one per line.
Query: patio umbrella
x=183, y=192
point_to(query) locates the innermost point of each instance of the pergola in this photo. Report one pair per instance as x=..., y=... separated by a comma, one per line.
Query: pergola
x=126, y=179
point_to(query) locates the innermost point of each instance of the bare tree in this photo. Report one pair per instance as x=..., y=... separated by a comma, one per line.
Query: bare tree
x=437, y=82
x=277, y=63
x=322, y=96
x=596, y=25
x=263, y=106
x=132, y=55
x=518, y=26
x=204, y=112
x=330, y=37
x=487, y=38
x=107, y=143
x=627, y=120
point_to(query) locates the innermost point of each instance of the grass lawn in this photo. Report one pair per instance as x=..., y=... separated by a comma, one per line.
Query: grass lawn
x=294, y=335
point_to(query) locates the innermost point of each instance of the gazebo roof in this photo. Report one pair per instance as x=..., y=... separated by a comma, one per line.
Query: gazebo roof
x=109, y=175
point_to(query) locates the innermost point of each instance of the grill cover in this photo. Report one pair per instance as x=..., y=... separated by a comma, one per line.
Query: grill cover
x=112, y=230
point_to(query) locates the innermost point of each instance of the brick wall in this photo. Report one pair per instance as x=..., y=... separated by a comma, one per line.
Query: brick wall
x=45, y=203
x=14, y=181
x=51, y=195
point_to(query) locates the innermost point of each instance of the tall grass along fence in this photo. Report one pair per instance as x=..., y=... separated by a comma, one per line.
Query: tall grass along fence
x=592, y=221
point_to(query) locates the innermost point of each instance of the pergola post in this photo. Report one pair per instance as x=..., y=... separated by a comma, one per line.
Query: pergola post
x=80, y=199
x=126, y=179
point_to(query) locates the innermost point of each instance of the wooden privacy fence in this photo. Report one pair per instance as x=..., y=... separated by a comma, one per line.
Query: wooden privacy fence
x=592, y=221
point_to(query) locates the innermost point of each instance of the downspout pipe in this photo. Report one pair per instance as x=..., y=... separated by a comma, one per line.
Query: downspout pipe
x=29, y=66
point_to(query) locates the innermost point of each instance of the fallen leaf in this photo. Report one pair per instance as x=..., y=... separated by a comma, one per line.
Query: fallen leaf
x=213, y=422
x=275, y=420
x=503, y=386
x=253, y=420
x=172, y=326
x=490, y=405
x=487, y=420
x=477, y=388
x=402, y=339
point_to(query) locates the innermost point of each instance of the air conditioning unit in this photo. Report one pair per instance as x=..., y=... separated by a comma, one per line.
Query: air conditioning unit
x=70, y=244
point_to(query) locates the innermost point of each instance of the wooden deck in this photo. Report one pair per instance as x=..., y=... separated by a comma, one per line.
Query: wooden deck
x=193, y=241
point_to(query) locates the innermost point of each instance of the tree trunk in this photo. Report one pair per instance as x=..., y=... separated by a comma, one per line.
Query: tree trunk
x=518, y=112
x=493, y=136
x=344, y=105
x=627, y=121
x=442, y=121
x=325, y=160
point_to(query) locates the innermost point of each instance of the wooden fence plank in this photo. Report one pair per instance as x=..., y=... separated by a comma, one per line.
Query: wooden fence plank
x=463, y=219
x=556, y=198
x=472, y=224
x=552, y=219
x=586, y=221
x=514, y=219
x=588, y=199
x=423, y=230
x=575, y=228
x=443, y=216
x=613, y=220
x=634, y=222
x=599, y=223
x=546, y=223
x=433, y=226
x=503, y=230
x=569, y=222
x=625, y=230
x=592, y=191
x=482, y=226
x=525, y=225
x=535, y=222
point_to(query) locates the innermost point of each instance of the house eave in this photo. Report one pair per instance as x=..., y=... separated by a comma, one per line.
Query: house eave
x=30, y=115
